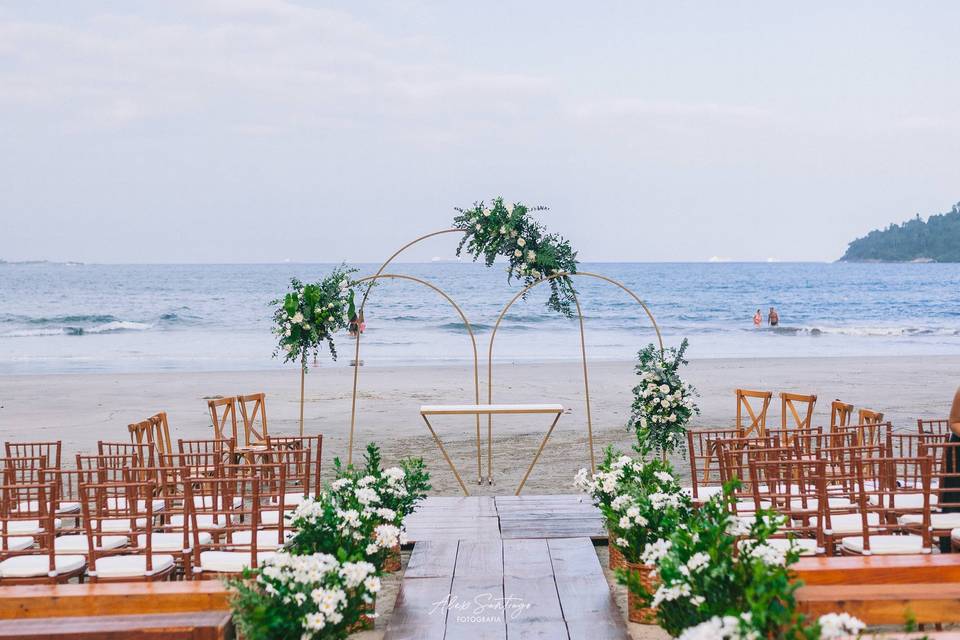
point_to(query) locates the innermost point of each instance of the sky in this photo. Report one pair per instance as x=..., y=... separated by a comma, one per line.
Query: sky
x=264, y=131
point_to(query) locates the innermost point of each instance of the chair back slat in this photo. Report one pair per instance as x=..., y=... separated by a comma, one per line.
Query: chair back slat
x=840, y=414
x=253, y=411
x=758, y=417
x=223, y=413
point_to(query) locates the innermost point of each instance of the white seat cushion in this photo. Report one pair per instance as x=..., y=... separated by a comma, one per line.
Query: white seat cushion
x=78, y=543
x=207, y=501
x=937, y=520
x=36, y=566
x=850, y=523
x=886, y=545
x=34, y=505
x=28, y=527
x=121, y=503
x=69, y=507
x=912, y=500
x=703, y=492
x=271, y=517
x=836, y=502
x=955, y=535
x=171, y=542
x=805, y=546
x=229, y=561
x=204, y=521
x=130, y=566
x=118, y=525
x=294, y=499
x=267, y=539
x=19, y=543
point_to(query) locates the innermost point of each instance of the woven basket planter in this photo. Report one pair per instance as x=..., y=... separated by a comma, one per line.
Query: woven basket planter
x=617, y=560
x=392, y=564
x=365, y=623
x=636, y=612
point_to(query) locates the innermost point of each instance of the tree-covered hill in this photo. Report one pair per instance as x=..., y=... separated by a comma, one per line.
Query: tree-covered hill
x=936, y=240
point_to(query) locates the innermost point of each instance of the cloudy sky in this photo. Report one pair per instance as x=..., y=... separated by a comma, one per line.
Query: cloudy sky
x=257, y=130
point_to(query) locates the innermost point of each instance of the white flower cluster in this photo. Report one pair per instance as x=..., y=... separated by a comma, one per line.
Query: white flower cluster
x=766, y=553
x=722, y=628
x=838, y=625
x=668, y=593
x=655, y=551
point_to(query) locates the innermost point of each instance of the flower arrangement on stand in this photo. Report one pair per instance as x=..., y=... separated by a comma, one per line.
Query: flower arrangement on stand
x=721, y=577
x=662, y=402
x=509, y=231
x=309, y=315
x=298, y=597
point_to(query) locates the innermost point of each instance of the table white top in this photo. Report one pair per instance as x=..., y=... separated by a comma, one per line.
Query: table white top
x=486, y=409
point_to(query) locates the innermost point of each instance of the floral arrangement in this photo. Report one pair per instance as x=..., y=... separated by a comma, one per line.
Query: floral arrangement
x=298, y=597
x=615, y=472
x=648, y=507
x=722, y=577
x=509, y=231
x=310, y=314
x=400, y=488
x=662, y=402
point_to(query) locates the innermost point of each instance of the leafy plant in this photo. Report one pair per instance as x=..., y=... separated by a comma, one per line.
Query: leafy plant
x=509, y=231
x=662, y=402
x=310, y=314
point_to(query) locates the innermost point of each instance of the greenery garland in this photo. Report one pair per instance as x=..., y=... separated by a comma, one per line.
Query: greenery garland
x=509, y=231
x=310, y=314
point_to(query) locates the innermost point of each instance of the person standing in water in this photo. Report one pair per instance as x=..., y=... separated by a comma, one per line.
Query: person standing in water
x=773, y=318
x=950, y=499
x=757, y=318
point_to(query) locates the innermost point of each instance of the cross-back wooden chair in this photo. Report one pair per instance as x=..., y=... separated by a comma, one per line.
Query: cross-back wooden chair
x=223, y=413
x=253, y=411
x=840, y=414
x=701, y=451
x=933, y=427
x=242, y=536
x=28, y=524
x=758, y=418
x=869, y=417
x=789, y=403
x=154, y=430
x=112, y=507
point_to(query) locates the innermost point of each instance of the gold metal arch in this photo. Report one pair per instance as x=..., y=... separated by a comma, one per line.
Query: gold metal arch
x=476, y=362
x=583, y=353
x=356, y=354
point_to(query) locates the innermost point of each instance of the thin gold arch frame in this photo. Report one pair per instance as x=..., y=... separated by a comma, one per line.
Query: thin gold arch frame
x=583, y=353
x=476, y=362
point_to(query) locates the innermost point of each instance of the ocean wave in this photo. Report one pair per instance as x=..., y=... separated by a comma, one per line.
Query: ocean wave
x=114, y=326
x=862, y=331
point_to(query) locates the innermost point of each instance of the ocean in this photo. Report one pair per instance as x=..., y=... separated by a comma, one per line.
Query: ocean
x=57, y=318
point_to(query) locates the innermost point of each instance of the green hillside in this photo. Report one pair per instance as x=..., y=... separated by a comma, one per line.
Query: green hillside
x=936, y=240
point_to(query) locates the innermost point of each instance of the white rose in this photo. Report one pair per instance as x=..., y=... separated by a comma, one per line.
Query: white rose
x=478, y=227
x=664, y=388
x=486, y=213
x=513, y=234
x=521, y=241
x=517, y=253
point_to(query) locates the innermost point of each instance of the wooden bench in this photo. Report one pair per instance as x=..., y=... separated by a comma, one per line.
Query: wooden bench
x=882, y=589
x=196, y=625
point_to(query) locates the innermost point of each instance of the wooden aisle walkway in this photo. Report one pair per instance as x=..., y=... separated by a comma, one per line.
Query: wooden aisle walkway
x=505, y=517
x=511, y=588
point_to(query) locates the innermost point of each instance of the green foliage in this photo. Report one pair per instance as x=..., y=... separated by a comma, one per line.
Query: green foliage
x=509, y=231
x=310, y=314
x=662, y=402
x=936, y=240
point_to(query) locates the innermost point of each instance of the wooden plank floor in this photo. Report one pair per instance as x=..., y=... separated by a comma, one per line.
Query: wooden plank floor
x=504, y=517
x=505, y=589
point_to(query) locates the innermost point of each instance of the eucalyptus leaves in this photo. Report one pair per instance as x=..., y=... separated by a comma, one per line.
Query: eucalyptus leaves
x=310, y=314
x=509, y=231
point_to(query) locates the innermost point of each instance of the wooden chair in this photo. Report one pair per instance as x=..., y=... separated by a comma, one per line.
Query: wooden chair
x=242, y=536
x=758, y=419
x=109, y=507
x=29, y=470
x=253, y=411
x=313, y=446
x=796, y=489
x=701, y=451
x=945, y=473
x=934, y=427
x=28, y=524
x=223, y=413
x=143, y=454
x=154, y=430
x=789, y=401
x=868, y=433
x=869, y=417
x=840, y=414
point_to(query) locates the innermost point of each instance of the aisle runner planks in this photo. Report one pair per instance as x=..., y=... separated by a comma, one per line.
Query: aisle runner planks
x=498, y=589
x=506, y=517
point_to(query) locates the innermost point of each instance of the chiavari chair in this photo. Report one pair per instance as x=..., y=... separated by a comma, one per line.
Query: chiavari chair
x=242, y=537
x=880, y=499
x=112, y=506
x=253, y=412
x=845, y=484
x=933, y=427
x=868, y=433
x=49, y=451
x=796, y=488
x=144, y=453
x=193, y=452
x=312, y=446
x=945, y=485
x=28, y=524
x=701, y=451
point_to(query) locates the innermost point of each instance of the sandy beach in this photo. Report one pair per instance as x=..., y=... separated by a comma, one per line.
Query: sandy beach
x=81, y=409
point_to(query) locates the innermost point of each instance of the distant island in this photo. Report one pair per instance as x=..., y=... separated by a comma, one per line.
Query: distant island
x=936, y=240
